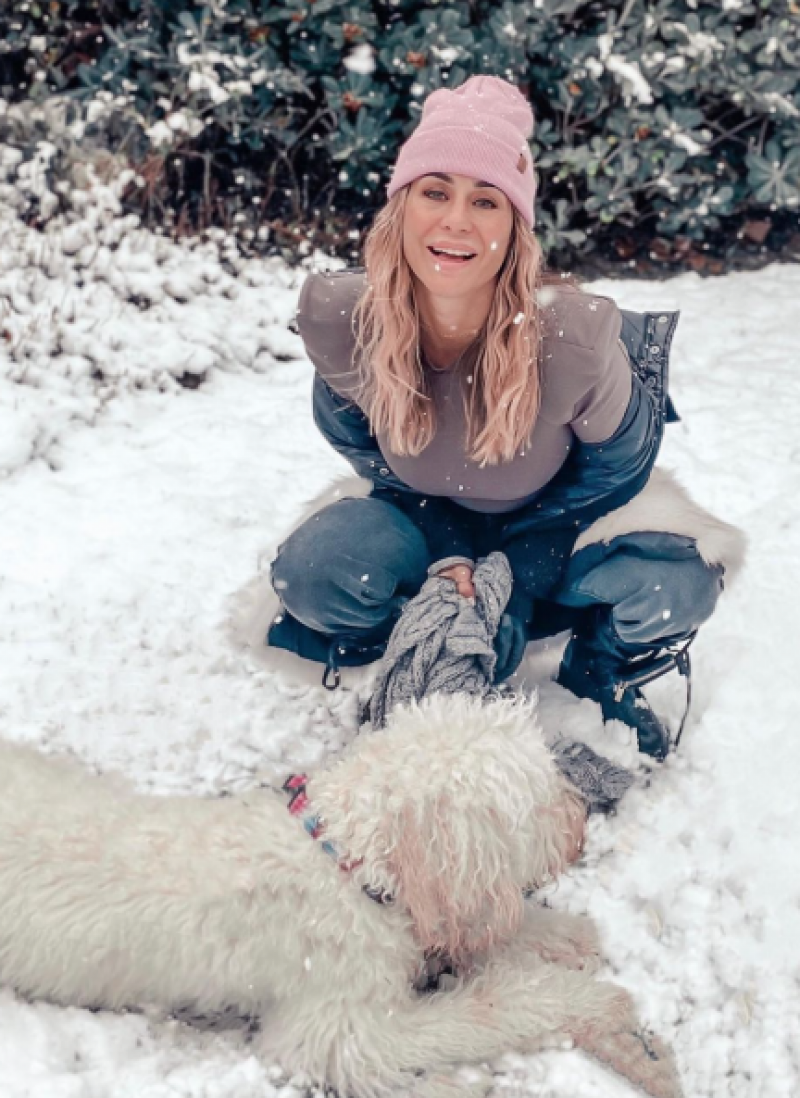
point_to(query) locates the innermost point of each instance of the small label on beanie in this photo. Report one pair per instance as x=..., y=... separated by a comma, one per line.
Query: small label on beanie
x=522, y=164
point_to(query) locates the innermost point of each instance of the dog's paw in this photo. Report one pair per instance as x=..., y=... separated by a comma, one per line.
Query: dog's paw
x=609, y=1009
x=576, y=947
x=643, y=1059
x=567, y=940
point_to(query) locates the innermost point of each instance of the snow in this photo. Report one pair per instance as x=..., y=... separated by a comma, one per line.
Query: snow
x=361, y=59
x=135, y=508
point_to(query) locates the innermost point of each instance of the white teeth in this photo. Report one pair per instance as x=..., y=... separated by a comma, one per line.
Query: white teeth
x=446, y=251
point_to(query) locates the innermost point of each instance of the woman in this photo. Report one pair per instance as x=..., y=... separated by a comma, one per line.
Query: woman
x=491, y=406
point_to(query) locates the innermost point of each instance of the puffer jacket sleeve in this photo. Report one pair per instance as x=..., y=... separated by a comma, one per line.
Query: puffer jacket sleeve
x=346, y=427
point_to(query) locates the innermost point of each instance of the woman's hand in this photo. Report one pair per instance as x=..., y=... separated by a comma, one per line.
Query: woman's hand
x=461, y=575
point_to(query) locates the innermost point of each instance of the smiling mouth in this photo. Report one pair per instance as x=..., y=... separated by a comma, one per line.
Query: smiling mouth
x=451, y=257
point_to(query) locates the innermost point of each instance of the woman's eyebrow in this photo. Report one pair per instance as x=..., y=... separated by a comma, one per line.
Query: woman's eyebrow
x=449, y=179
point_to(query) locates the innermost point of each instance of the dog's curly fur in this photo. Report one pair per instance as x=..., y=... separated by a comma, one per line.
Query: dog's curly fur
x=110, y=899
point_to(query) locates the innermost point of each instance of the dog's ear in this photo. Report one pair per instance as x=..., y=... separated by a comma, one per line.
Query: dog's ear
x=453, y=869
x=462, y=858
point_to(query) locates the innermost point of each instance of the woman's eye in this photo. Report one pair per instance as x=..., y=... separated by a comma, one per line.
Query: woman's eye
x=492, y=205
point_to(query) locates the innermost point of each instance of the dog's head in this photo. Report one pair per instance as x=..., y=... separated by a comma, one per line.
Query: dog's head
x=455, y=808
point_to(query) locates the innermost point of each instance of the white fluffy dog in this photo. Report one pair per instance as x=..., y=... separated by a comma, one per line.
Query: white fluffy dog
x=109, y=899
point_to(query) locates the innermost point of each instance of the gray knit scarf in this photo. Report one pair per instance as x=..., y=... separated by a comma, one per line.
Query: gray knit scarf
x=442, y=643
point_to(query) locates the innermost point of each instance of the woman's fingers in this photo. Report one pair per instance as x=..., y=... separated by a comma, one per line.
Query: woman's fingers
x=461, y=575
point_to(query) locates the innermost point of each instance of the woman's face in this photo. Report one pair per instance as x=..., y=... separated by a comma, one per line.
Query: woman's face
x=456, y=213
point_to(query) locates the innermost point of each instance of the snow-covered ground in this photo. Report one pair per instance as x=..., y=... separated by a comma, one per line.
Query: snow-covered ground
x=134, y=508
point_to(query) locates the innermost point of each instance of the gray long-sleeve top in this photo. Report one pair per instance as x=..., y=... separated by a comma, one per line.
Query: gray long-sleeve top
x=586, y=389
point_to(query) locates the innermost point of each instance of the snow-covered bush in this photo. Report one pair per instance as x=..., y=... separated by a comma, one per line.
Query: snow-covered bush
x=662, y=126
x=87, y=294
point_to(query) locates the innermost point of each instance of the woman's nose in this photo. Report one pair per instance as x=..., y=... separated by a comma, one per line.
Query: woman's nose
x=458, y=214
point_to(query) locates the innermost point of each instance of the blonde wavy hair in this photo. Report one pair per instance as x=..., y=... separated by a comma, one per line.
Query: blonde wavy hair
x=504, y=398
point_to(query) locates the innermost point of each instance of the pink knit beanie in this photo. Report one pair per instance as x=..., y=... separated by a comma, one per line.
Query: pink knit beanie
x=480, y=130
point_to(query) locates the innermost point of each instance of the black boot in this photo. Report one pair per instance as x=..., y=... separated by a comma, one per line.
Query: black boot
x=340, y=650
x=614, y=684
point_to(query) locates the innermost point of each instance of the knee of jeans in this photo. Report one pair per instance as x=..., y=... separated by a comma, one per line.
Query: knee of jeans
x=297, y=576
x=672, y=604
x=707, y=589
x=335, y=593
x=281, y=570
